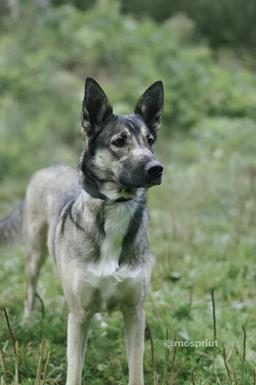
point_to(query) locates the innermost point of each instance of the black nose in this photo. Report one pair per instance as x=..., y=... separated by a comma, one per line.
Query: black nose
x=154, y=170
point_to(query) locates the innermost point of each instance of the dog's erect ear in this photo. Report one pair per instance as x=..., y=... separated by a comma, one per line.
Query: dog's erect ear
x=150, y=105
x=96, y=108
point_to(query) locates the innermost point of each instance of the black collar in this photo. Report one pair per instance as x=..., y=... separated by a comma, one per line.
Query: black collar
x=92, y=190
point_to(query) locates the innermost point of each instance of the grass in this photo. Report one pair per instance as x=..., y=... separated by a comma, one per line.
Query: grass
x=202, y=235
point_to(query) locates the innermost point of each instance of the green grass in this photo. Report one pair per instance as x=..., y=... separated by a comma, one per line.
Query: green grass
x=203, y=237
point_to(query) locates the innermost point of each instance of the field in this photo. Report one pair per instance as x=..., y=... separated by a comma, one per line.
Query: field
x=203, y=216
x=202, y=235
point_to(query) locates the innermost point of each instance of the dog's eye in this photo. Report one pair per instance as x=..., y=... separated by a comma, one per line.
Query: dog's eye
x=150, y=141
x=119, y=142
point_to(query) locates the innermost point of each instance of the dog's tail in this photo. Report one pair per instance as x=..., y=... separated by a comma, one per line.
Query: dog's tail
x=11, y=226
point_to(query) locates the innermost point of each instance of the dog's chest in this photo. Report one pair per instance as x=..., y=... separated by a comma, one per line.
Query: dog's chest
x=117, y=219
x=111, y=282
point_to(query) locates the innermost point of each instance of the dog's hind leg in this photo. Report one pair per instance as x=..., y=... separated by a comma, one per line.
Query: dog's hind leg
x=35, y=258
x=77, y=338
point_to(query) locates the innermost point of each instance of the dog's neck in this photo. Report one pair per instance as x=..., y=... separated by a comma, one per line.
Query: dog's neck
x=106, y=190
x=93, y=190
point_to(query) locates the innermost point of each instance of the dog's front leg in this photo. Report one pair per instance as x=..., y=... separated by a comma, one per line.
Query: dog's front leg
x=134, y=319
x=77, y=336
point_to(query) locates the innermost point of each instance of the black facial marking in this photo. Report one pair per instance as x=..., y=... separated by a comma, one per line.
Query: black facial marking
x=128, y=252
x=131, y=125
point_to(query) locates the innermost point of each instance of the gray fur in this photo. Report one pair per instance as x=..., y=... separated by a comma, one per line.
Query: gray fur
x=94, y=222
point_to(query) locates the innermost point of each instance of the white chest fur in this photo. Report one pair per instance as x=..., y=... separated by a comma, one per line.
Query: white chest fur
x=117, y=218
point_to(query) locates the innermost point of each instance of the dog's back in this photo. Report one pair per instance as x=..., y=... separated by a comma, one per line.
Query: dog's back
x=49, y=189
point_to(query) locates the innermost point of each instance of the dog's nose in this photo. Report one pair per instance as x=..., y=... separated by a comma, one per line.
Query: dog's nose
x=154, y=170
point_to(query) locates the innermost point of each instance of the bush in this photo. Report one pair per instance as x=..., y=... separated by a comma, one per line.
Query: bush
x=47, y=54
x=221, y=22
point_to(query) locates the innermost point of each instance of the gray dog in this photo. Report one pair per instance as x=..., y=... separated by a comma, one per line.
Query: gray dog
x=94, y=222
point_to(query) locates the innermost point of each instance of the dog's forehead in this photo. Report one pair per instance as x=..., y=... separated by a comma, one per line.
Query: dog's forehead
x=133, y=123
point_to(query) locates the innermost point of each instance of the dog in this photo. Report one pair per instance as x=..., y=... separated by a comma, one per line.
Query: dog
x=94, y=222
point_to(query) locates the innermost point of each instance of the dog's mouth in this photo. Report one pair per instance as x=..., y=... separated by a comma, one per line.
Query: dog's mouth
x=154, y=181
x=131, y=188
x=127, y=192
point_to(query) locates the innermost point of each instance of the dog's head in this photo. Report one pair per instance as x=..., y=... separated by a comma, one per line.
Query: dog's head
x=118, y=158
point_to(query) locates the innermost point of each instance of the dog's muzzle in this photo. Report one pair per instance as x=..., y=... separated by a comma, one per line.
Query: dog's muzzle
x=142, y=174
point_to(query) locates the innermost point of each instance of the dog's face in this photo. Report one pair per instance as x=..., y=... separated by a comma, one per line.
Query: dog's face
x=118, y=156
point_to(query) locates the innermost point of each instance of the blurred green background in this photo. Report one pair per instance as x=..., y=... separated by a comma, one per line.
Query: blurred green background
x=47, y=50
x=203, y=216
